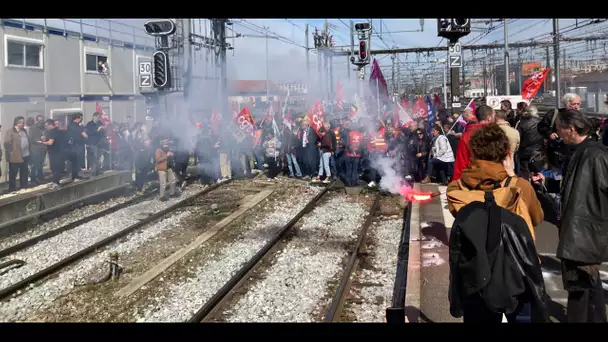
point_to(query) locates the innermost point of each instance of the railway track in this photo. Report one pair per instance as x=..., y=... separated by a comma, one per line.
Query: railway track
x=337, y=304
x=211, y=309
x=216, y=301
x=82, y=253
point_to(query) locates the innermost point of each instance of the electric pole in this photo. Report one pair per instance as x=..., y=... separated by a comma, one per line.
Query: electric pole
x=507, y=78
x=485, y=78
x=352, y=48
x=307, y=57
x=558, y=92
x=393, y=74
x=519, y=71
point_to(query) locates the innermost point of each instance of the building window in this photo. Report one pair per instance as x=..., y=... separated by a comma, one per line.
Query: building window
x=96, y=63
x=23, y=54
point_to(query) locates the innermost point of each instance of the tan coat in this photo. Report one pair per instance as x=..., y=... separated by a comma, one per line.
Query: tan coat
x=12, y=146
x=512, y=134
x=161, y=159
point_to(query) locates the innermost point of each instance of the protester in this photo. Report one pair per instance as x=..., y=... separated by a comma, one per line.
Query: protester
x=272, y=147
x=164, y=167
x=480, y=288
x=325, y=145
x=442, y=158
x=583, y=234
x=37, y=150
x=17, y=146
x=484, y=114
x=53, y=139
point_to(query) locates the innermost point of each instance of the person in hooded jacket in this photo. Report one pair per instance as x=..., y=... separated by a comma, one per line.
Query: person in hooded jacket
x=484, y=115
x=490, y=160
x=532, y=144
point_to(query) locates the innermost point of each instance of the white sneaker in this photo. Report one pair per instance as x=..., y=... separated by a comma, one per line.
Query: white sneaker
x=371, y=184
x=408, y=177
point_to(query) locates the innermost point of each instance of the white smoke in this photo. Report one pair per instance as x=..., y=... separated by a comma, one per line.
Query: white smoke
x=390, y=171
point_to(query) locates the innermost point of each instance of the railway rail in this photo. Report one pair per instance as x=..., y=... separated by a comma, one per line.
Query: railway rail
x=57, y=266
x=216, y=301
x=335, y=310
x=49, y=234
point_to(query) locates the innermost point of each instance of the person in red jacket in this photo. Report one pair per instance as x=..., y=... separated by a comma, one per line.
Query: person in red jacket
x=484, y=114
x=354, y=147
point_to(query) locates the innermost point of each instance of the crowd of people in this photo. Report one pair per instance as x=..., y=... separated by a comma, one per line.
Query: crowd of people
x=75, y=149
x=514, y=170
x=553, y=169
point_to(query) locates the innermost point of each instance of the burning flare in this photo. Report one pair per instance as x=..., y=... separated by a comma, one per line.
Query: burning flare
x=412, y=195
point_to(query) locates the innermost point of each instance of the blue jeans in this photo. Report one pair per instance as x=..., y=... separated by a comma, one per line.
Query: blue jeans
x=324, y=164
x=352, y=170
x=291, y=160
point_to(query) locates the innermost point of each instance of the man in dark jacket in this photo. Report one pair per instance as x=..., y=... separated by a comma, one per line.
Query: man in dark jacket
x=289, y=148
x=557, y=151
x=144, y=163
x=74, y=143
x=532, y=144
x=95, y=133
x=37, y=150
x=308, y=146
x=182, y=158
x=583, y=238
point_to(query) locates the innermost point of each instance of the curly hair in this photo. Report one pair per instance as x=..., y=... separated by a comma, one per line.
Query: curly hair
x=490, y=143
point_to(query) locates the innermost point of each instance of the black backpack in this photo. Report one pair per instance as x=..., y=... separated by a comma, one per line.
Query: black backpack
x=481, y=261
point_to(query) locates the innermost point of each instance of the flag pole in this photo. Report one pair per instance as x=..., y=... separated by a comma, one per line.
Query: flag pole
x=378, y=94
x=465, y=108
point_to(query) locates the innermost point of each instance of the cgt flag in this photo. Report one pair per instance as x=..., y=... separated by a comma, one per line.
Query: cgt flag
x=532, y=85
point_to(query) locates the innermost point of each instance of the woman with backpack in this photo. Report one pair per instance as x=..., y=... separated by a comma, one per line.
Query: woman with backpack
x=494, y=270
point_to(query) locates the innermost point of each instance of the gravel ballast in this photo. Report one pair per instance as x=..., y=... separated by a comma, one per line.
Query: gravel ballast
x=183, y=298
x=37, y=298
x=63, y=220
x=295, y=287
x=373, y=284
x=52, y=250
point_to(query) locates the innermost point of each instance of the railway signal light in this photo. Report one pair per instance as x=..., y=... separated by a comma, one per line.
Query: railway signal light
x=163, y=27
x=363, y=26
x=453, y=28
x=161, y=77
x=363, y=55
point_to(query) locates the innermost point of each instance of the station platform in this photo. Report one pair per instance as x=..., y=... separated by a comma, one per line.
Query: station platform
x=426, y=298
x=27, y=205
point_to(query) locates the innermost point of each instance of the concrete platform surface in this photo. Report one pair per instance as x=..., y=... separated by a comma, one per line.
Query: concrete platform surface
x=15, y=208
x=428, y=269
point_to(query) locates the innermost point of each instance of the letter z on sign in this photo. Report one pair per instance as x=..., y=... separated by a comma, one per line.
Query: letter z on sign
x=145, y=74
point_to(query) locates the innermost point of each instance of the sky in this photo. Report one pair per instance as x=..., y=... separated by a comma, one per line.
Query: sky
x=286, y=57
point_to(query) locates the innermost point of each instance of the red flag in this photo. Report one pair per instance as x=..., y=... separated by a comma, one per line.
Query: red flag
x=420, y=108
x=315, y=115
x=436, y=101
x=377, y=82
x=340, y=97
x=245, y=122
x=104, y=117
x=405, y=105
x=532, y=85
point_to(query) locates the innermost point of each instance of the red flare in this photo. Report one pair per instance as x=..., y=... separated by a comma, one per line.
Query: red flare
x=412, y=195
